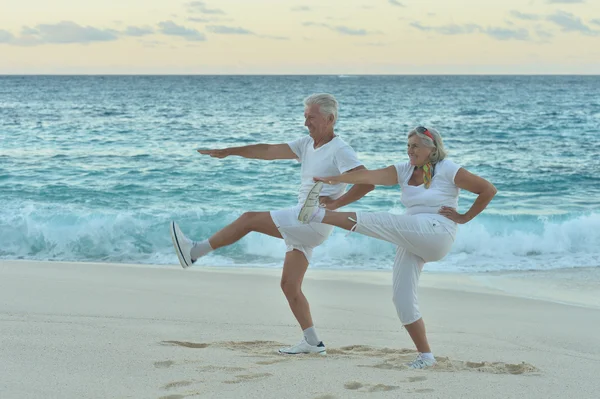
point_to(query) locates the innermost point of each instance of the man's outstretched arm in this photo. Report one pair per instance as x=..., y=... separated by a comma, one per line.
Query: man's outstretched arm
x=254, y=151
x=355, y=193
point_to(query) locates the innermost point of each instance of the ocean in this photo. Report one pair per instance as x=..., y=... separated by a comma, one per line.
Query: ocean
x=93, y=168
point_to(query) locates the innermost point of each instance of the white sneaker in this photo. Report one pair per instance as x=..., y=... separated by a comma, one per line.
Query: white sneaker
x=304, y=347
x=421, y=362
x=311, y=203
x=183, y=246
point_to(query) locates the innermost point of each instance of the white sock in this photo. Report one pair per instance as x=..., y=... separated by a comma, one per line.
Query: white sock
x=200, y=248
x=310, y=335
x=427, y=355
x=318, y=216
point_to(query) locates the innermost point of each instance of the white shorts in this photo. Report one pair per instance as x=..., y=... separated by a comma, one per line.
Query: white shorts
x=302, y=237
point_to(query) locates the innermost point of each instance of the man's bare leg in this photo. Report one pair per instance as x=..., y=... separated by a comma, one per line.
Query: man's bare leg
x=260, y=222
x=294, y=268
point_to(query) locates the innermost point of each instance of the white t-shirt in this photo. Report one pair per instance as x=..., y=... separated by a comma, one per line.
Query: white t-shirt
x=441, y=192
x=332, y=159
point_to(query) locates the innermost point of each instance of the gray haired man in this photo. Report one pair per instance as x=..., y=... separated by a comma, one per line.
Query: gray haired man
x=321, y=153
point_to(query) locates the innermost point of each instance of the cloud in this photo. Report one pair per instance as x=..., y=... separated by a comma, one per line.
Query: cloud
x=344, y=30
x=274, y=37
x=172, y=29
x=64, y=32
x=524, y=16
x=564, y=1
x=227, y=30
x=135, y=31
x=570, y=23
x=152, y=43
x=447, y=29
x=493, y=32
x=201, y=20
x=300, y=8
x=372, y=44
x=507, y=34
x=395, y=3
x=543, y=34
x=200, y=7
x=6, y=36
x=595, y=21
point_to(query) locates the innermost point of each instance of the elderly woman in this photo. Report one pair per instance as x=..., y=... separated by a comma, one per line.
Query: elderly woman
x=430, y=185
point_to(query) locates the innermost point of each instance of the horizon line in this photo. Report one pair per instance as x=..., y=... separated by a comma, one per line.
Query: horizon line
x=298, y=74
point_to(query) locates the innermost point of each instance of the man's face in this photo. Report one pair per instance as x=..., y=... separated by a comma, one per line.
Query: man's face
x=417, y=152
x=316, y=123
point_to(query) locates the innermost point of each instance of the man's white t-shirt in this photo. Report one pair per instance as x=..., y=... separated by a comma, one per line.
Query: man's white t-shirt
x=331, y=159
x=441, y=192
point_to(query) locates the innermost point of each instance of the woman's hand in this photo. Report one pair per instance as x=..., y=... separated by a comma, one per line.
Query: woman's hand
x=327, y=180
x=451, y=214
x=215, y=153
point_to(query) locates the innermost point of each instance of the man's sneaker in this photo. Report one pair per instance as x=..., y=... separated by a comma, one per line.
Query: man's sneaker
x=311, y=203
x=183, y=246
x=421, y=362
x=304, y=347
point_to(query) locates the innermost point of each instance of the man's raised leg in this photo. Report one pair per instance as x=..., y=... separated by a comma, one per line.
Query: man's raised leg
x=189, y=251
x=249, y=221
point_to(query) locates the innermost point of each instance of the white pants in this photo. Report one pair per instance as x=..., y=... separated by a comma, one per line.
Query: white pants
x=420, y=238
x=299, y=236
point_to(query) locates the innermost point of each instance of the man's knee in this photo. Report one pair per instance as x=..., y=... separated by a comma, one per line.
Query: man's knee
x=290, y=288
x=250, y=219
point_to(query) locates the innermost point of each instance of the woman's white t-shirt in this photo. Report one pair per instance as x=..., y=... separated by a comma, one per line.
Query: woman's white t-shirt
x=331, y=159
x=441, y=192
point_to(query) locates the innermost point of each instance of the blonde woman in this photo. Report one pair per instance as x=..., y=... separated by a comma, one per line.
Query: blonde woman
x=430, y=185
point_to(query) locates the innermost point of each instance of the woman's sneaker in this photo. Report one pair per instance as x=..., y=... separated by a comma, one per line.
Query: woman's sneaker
x=421, y=362
x=311, y=203
x=304, y=347
x=183, y=246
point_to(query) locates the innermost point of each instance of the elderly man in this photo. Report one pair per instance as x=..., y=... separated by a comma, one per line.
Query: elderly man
x=321, y=153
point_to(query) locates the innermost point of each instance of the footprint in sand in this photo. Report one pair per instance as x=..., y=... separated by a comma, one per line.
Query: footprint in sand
x=273, y=361
x=325, y=397
x=357, y=386
x=499, y=367
x=247, y=377
x=172, y=397
x=177, y=384
x=415, y=379
x=185, y=344
x=163, y=365
x=209, y=369
x=396, y=359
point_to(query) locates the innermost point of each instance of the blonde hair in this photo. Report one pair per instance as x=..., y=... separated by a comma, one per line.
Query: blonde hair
x=439, y=152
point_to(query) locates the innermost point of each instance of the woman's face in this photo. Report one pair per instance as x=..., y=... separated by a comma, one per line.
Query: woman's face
x=417, y=152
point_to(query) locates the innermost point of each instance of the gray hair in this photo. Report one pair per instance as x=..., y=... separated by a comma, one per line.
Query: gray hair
x=327, y=103
x=439, y=152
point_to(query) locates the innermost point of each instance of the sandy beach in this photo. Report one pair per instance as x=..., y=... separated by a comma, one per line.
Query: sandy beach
x=84, y=330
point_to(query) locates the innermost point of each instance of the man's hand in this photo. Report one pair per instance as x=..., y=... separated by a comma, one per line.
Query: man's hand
x=215, y=153
x=328, y=203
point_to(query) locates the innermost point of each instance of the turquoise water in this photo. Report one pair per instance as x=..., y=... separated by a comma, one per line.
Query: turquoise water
x=93, y=168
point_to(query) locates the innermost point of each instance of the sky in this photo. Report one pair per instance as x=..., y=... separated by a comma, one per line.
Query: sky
x=300, y=37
